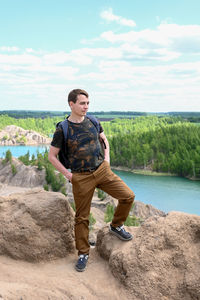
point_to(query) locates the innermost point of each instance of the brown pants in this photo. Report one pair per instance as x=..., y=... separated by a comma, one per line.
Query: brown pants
x=84, y=185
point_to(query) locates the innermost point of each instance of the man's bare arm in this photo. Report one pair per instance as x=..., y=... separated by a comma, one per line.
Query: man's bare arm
x=107, y=149
x=53, y=152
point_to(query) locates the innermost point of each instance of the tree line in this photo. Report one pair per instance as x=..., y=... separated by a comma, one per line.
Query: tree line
x=167, y=144
x=164, y=144
x=44, y=126
x=19, y=114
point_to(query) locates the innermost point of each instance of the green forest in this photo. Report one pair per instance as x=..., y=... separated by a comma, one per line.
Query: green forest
x=169, y=144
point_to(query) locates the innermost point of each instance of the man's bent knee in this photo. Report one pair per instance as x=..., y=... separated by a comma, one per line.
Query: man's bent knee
x=131, y=197
x=127, y=198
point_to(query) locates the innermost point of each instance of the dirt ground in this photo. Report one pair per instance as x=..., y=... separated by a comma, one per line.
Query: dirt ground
x=58, y=280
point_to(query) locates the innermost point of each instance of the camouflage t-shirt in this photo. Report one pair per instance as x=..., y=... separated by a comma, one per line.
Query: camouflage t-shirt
x=84, y=150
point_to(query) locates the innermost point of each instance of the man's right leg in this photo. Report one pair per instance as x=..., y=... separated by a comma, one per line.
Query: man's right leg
x=83, y=189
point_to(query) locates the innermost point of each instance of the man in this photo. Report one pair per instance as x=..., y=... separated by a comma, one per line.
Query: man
x=90, y=168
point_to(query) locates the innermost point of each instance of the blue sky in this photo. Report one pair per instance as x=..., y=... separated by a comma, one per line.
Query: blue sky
x=129, y=55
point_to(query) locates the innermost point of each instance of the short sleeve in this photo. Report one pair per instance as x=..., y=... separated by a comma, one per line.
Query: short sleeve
x=100, y=128
x=58, y=137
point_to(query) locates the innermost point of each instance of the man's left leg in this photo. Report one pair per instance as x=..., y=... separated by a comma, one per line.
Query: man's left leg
x=114, y=186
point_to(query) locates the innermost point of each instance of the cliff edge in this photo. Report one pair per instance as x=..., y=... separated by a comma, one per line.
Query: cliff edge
x=38, y=255
x=161, y=262
x=14, y=135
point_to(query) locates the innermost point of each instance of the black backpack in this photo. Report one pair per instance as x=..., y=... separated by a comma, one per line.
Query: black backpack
x=62, y=155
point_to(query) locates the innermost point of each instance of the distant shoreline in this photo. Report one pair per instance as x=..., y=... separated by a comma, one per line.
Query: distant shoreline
x=141, y=171
x=149, y=172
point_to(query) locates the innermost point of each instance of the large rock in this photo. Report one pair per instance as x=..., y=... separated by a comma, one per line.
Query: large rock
x=36, y=225
x=162, y=262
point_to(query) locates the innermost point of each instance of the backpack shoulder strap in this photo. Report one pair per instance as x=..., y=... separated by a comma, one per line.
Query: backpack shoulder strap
x=64, y=126
x=95, y=122
x=97, y=125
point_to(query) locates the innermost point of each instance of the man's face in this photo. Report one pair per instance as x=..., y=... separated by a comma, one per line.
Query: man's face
x=81, y=106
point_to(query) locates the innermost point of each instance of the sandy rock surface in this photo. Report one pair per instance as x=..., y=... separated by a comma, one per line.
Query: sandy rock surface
x=161, y=262
x=26, y=176
x=144, y=211
x=36, y=230
x=58, y=280
x=36, y=225
x=6, y=190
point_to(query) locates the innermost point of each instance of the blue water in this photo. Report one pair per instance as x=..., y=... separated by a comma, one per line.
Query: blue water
x=22, y=150
x=164, y=192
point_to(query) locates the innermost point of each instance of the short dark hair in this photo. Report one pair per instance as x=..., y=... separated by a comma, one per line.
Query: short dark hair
x=74, y=93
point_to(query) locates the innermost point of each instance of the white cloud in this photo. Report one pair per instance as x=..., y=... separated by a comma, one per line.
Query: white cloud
x=113, y=86
x=141, y=67
x=165, y=43
x=9, y=49
x=26, y=69
x=165, y=55
x=111, y=68
x=61, y=57
x=30, y=50
x=109, y=16
x=83, y=56
x=110, y=52
x=19, y=59
x=133, y=48
x=147, y=35
x=175, y=30
x=166, y=35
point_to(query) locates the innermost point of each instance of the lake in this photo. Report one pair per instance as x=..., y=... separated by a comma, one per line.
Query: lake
x=163, y=192
x=22, y=150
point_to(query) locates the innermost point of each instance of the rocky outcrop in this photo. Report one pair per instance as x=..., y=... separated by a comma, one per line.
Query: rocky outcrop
x=14, y=135
x=26, y=176
x=102, y=204
x=36, y=225
x=161, y=262
x=140, y=209
x=144, y=211
x=98, y=208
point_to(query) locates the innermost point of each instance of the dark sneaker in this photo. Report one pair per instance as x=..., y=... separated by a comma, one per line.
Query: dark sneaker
x=81, y=263
x=121, y=233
